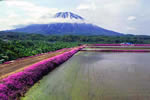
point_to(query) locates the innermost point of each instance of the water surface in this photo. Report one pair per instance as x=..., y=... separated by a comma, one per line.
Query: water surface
x=97, y=76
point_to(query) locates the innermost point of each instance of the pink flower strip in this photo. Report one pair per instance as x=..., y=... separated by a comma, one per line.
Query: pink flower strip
x=15, y=85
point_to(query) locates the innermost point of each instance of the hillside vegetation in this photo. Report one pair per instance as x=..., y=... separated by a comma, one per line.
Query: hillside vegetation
x=17, y=45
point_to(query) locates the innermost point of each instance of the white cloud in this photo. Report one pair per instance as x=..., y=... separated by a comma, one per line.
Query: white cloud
x=131, y=18
x=111, y=14
x=31, y=9
x=23, y=13
x=117, y=15
x=91, y=6
x=131, y=28
x=59, y=20
x=83, y=6
x=19, y=3
x=13, y=15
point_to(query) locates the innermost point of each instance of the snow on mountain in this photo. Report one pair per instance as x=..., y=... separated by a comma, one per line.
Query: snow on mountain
x=67, y=23
x=67, y=17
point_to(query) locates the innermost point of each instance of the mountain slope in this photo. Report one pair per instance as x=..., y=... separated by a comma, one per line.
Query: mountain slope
x=72, y=24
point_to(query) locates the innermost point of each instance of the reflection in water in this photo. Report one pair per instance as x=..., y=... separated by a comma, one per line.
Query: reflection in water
x=90, y=58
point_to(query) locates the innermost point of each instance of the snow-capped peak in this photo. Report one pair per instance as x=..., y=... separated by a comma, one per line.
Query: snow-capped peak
x=68, y=15
x=63, y=17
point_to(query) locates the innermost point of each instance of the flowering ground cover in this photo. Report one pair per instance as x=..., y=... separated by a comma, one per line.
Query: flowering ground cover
x=104, y=45
x=119, y=44
x=16, y=84
x=120, y=47
x=115, y=50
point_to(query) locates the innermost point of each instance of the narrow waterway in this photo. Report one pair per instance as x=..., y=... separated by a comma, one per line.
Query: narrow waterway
x=97, y=76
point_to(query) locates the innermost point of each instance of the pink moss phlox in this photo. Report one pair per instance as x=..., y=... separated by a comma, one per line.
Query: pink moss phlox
x=3, y=92
x=3, y=96
x=128, y=50
x=106, y=44
x=118, y=50
x=14, y=85
x=119, y=45
x=141, y=44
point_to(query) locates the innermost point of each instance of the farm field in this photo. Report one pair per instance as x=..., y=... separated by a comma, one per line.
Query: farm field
x=116, y=48
x=19, y=65
x=125, y=47
x=96, y=76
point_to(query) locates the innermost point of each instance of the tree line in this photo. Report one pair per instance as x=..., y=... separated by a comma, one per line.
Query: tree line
x=11, y=50
x=16, y=45
x=136, y=39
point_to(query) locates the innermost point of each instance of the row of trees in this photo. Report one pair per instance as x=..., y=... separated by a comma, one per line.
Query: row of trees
x=10, y=50
x=75, y=38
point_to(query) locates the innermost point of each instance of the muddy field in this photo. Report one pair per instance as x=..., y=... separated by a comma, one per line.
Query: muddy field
x=97, y=76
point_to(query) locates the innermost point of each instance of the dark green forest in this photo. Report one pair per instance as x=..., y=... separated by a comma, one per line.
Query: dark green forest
x=17, y=45
x=136, y=39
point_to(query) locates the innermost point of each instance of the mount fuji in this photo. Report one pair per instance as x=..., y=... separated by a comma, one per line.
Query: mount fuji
x=67, y=23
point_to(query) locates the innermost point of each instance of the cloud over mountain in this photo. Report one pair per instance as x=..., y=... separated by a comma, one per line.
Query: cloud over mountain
x=70, y=23
x=110, y=14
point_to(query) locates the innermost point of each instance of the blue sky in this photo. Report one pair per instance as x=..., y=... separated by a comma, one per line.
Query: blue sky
x=126, y=16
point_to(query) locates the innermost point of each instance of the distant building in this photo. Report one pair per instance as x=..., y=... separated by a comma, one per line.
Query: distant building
x=127, y=44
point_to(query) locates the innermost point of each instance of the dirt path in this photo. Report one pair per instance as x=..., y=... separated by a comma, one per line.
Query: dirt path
x=19, y=65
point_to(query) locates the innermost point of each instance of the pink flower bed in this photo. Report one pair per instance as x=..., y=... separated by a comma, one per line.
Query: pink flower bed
x=119, y=45
x=106, y=44
x=118, y=50
x=17, y=84
x=141, y=44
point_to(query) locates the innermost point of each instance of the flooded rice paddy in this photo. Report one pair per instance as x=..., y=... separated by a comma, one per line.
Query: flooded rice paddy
x=97, y=76
x=117, y=48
